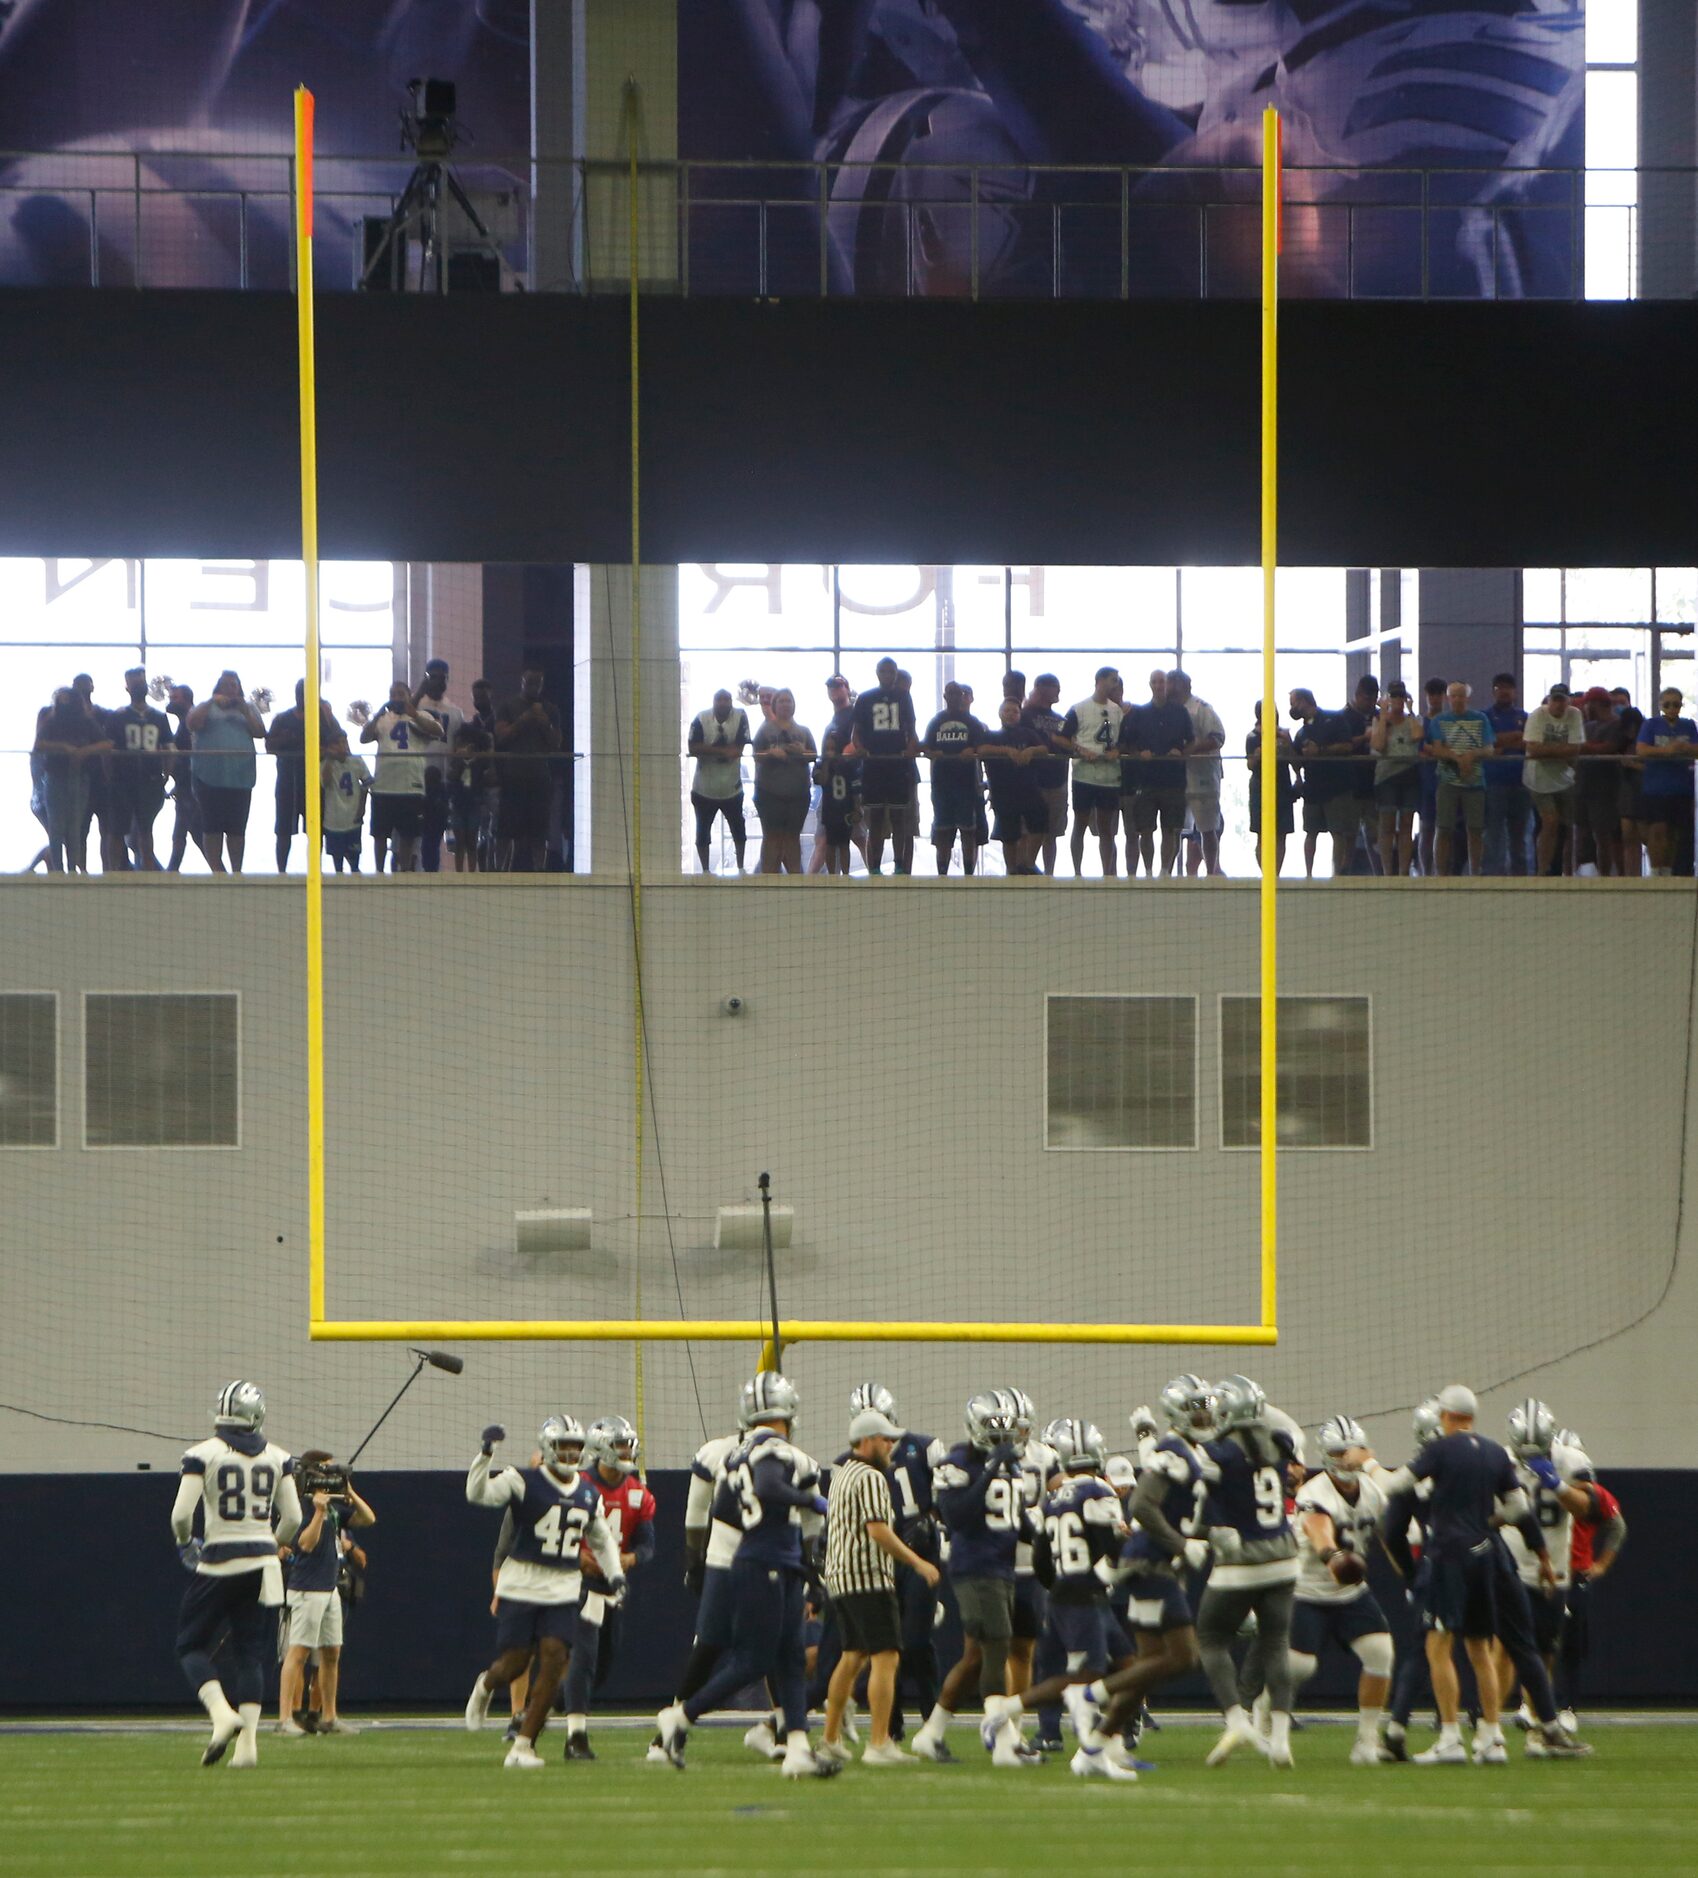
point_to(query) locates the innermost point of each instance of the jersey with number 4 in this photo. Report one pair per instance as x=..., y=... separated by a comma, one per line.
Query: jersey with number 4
x=628, y=1508
x=1245, y=1512
x=1083, y=1523
x=984, y=1529
x=554, y=1515
x=1354, y=1523
x=240, y=1481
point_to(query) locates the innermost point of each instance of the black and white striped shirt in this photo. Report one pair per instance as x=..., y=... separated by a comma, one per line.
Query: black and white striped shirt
x=853, y=1563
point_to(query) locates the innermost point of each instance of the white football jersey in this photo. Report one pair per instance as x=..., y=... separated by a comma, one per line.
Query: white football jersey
x=401, y=748
x=1097, y=734
x=1355, y=1526
x=238, y=1492
x=1037, y=1465
x=1555, y=1520
x=705, y=1469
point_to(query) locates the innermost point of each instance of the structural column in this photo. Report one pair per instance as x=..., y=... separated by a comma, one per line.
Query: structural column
x=602, y=692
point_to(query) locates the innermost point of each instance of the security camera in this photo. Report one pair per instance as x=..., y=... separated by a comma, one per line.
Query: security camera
x=733, y=1006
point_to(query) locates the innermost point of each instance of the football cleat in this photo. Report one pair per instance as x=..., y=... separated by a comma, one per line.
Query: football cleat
x=657, y=1756
x=223, y=1733
x=1238, y=1734
x=1559, y=1744
x=578, y=1748
x=1396, y=1744
x=477, y=1708
x=802, y=1763
x=1524, y=1718
x=1568, y=1721
x=1490, y=1754
x=886, y=1754
x=674, y=1733
x=1093, y=1763
x=247, y=1753
x=289, y=1727
x=1083, y=1713
x=1369, y=1754
x=1049, y=1744
x=835, y=1751
x=761, y=1740
x=1442, y=1754
x=851, y=1723
x=522, y=1754
x=934, y=1750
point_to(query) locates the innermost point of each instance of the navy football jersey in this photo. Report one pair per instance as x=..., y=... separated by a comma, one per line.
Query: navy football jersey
x=884, y=721
x=1174, y=1461
x=551, y=1522
x=1247, y=1496
x=1083, y=1524
x=762, y=1491
x=984, y=1511
x=911, y=1480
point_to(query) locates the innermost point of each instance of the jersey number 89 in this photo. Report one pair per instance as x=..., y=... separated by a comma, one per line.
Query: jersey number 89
x=233, y=1483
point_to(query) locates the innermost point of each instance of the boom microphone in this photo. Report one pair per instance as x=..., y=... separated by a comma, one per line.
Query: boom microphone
x=437, y=1359
x=442, y=1359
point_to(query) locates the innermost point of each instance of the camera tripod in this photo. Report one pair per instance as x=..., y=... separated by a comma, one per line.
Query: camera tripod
x=419, y=213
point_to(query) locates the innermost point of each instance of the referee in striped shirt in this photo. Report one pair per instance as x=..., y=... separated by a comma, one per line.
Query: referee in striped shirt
x=862, y=1552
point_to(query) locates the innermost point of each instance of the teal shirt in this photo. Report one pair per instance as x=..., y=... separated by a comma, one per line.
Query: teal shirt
x=224, y=750
x=1462, y=730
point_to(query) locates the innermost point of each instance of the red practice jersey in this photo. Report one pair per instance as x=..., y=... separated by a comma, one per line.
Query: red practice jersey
x=1606, y=1507
x=627, y=1506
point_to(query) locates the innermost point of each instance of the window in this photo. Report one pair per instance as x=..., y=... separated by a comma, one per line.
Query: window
x=161, y=1070
x=1325, y=1073
x=29, y=1069
x=1120, y=1072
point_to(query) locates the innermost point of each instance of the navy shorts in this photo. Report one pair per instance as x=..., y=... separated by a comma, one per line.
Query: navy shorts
x=956, y=806
x=1547, y=1614
x=1477, y=1595
x=1156, y=1601
x=1081, y=1632
x=518, y=1626
x=1029, y=1606
x=1314, y=1625
x=342, y=844
x=1088, y=798
x=212, y=1605
x=714, y=1612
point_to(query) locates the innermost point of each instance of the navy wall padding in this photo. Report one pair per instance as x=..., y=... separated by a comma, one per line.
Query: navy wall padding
x=89, y=1559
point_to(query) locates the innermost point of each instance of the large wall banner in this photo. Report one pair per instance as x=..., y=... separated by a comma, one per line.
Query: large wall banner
x=1101, y=147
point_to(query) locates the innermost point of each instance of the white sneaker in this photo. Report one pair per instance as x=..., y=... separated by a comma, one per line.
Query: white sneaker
x=851, y=1722
x=518, y=1755
x=1490, y=1753
x=763, y=1741
x=1083, y=1713
x=1524, y=1718
x=1093, y=1763
x=338, y=1727
x=1368, y=1754
x=1442, y=1754
x=1568, y=1722
x=887, y=1754
x=289, y=1727
x=477, y=1708
x=223, y=1733
x=835, y=1751
x=802, y=1763
x=1237, y=1735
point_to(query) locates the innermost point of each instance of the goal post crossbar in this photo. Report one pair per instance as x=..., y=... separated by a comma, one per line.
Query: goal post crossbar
x=733, y=1330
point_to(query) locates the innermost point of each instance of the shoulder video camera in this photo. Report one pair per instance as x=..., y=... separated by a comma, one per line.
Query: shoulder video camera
x=323, y=1477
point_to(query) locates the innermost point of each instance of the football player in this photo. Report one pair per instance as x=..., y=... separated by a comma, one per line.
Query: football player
x=1255, y=1566
x=1403, y=1543
x=238, y=1479
x=1598, y=1539
x=1166, y=1503
x=769, y=1488
x=610, y=1464
x=1039, y=1465
x=1338, y=1518
x=1557, y=1478
x=981, y=1495
x=1083, y=1529
x=556, y=1513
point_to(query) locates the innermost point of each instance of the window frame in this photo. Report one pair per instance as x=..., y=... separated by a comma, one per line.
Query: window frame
x=1365, y=998
x=1194, y=1146
x=167, y=1147
x=43, y=1147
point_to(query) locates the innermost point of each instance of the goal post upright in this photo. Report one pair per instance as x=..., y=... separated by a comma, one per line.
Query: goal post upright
x=1269, y=778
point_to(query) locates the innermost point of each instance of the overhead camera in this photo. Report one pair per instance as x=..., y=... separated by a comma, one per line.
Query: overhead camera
x=734, y=1006
x=429, y=123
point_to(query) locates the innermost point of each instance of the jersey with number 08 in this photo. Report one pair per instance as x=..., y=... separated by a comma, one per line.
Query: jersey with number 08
x=238, y=1482
x=553, y=1516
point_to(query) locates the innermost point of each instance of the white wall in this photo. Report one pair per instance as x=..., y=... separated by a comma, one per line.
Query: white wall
x=1530, y=1088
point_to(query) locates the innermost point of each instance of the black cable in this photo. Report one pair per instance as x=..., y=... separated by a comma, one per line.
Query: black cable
x=642, y=992
x=117, y=1428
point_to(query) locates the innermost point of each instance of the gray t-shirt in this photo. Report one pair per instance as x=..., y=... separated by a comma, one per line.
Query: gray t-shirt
x=791, y=778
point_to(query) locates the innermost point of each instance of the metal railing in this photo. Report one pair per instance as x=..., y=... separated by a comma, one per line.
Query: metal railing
x=863, y=229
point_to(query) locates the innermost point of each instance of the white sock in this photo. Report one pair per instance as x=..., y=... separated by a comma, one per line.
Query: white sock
x=524, y=1741
x=577, y=1724
x=1238, y=1716
x=1367, y=1724
x=936, y=1724
x=1098, y=1693
x=796, y=1741
x=249, y=1712
x=1488, y=1732
x=1262, y=1709
x=1280, y=1729
x=1450, y=1735
x=216, y=1703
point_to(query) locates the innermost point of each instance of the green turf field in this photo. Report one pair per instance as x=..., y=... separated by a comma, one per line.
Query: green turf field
x=395, y=1801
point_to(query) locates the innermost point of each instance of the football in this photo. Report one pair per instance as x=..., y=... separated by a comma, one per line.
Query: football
x=1348, y=1568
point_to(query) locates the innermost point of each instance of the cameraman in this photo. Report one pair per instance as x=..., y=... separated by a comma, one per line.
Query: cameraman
x=315, y=1609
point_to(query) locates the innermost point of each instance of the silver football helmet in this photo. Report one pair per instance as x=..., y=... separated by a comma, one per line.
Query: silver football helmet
x=1569, y=1438
x=1238, y=1402
x=561, y=1439
x=1425, y=1422
x=1188, y=1404
x=1079, y=1444
x=1532, y=1428
x=1337, y=1434
x=611, y=1441
x=990, y=1418
x=768, y=1397
x=871, y=1395
x=1025, y=1416
x=240, y=1405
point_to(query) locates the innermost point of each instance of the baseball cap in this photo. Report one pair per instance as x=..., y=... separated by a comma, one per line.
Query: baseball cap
x=1458, y=1399
x=1559, y=691
x=436, y=665
x=1595, y=694
x=870, y=1422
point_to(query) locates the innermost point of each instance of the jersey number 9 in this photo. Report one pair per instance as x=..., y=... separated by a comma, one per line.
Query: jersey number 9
x=1270, y=1498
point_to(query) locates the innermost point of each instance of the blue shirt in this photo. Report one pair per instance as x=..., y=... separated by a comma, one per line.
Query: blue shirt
x=1670, y=776
x=1461, y=730
x=762, y=1490
x=984, y=1509
x=316, y=1570
x=1082, y=1523
x=1468, y=1473
x=1506, y=772
x=224, y=750
x=910, y=1473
